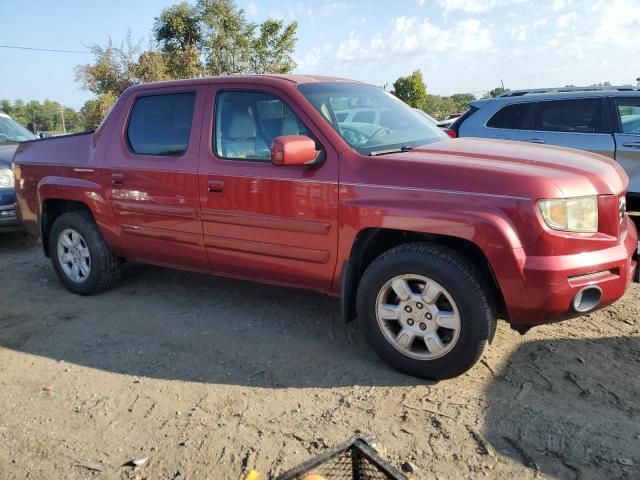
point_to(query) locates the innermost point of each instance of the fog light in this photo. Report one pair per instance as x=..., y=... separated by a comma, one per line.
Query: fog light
x=7, y=213
x=587, y=299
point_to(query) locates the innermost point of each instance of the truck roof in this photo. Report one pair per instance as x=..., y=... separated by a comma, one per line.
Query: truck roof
x=267, y=79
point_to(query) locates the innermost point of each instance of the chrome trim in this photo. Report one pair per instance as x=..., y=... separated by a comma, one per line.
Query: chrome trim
x=435, y=190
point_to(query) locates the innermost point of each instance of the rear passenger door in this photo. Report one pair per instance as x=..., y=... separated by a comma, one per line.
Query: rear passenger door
x=151, y=166
x=274, y=223
x=580, y=123
x=627, y=139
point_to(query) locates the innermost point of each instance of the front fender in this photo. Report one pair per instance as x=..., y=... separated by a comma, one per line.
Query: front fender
x=500, y=226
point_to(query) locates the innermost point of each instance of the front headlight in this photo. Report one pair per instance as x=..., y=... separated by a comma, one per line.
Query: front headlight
x=6, y=178
x=571, y=214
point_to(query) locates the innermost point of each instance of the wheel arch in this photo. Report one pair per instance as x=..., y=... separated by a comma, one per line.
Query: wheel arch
x=53, y=208
x=58, y=195
x=370, y=243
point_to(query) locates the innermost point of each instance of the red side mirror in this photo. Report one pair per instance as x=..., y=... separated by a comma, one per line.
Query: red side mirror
x=293, y=150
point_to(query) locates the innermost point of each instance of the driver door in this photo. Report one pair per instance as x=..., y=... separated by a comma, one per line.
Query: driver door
x=273, y=223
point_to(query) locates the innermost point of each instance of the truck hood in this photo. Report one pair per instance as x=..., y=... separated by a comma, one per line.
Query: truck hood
x=502, y=167
x=6, y=154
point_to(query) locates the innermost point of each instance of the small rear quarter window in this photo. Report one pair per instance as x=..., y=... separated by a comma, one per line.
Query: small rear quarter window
x=509, y=117
x=161, y=124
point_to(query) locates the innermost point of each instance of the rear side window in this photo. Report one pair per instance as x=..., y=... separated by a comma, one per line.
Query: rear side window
x=510, y=117
x=575, y=116
x=161, y=124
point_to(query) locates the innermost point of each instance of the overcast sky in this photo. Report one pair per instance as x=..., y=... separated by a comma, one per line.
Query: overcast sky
x=460, y=45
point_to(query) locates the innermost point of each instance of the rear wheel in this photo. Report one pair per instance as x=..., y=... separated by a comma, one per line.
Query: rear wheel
x=82, y=260
x=425, y=310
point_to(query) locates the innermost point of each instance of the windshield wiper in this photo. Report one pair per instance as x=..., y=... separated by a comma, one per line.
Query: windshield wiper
x=404, y=148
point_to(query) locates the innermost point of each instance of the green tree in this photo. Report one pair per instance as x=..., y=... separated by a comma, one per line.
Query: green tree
x=178, y=33
x=210, y=37
x=178, y=27
x=47, y=115
x=93, y=111
x=225, y=44
x=152, y=66
x=271, y=47
x=495, y=92
x=114, y=69
x=411, y=90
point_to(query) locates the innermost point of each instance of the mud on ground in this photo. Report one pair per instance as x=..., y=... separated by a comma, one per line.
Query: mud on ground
x=208, y=377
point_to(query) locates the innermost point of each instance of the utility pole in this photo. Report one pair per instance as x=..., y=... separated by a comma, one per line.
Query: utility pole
x=64, y=129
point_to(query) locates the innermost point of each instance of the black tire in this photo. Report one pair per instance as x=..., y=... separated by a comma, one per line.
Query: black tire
x=462, y=281
x=105, y=265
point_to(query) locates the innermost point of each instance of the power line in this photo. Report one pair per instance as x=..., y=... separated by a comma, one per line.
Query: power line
x=56, y=50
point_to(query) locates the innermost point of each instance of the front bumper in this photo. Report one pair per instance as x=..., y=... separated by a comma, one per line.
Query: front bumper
x=543, y=289
x=8, y=219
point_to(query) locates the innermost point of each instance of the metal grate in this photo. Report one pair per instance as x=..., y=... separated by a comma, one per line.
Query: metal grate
x=352, y=460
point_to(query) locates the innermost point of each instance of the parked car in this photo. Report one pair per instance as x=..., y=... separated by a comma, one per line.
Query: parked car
x=446, y=123
x=425, y=239
x=11, y=133
x=604, y=120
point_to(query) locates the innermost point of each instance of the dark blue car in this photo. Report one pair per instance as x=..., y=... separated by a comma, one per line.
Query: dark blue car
x=11, y=133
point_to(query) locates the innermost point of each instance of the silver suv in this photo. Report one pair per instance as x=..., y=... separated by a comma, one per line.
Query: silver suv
x=604, y=120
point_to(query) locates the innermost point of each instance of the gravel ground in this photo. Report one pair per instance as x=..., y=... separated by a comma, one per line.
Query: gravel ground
x=209, y=377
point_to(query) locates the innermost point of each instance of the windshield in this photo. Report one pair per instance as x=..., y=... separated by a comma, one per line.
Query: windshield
x=11, y=131
x=371, y=120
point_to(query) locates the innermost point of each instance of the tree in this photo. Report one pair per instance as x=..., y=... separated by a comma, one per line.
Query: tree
x=210, y=37
x=178, y=27
x=411, y=90
x=114, y=69
x=225, y=43
x=95, y=110
x=271, y=46
x=46, y=115
x=495, y=92
x=152, y=66
x=178, y=33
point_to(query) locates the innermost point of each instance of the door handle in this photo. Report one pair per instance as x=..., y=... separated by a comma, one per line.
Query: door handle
x=535, y=140
x=117, y=179
x=631, y=144
x=215, y=186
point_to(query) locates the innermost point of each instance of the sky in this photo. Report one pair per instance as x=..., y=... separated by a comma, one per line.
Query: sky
x=459, y=45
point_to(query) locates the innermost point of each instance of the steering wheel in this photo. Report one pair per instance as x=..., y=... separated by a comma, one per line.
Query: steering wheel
x=353, y=135
x=380, y=133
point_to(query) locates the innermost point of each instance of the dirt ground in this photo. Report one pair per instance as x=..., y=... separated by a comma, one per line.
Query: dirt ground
x=210, y=377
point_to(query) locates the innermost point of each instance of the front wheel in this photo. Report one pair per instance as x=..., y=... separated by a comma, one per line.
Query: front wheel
x=81, y=258
x=425, y=310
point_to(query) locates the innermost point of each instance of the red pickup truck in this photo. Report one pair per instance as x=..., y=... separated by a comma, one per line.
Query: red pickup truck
x=426, y=240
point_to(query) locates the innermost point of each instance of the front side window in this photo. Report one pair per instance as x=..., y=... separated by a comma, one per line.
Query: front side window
x=370, y=120
x=510, y=117
x=161, y=124
x=247, y=122
x=629, y=114
x=575, y=116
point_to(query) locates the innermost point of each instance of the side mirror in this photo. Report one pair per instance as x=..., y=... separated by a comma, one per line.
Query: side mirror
x=293, y=150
